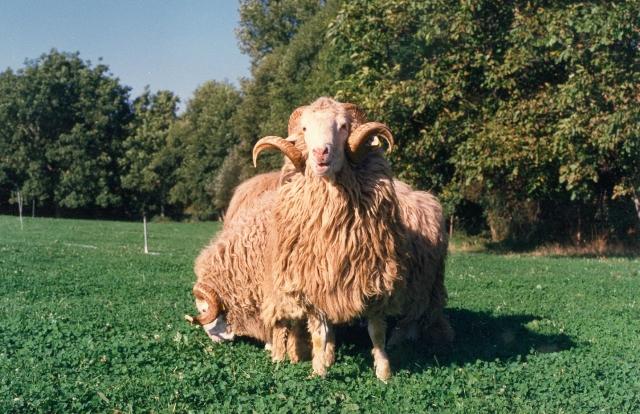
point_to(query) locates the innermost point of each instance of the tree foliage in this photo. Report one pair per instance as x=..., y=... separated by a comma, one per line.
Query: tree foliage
x=62, y=127
x=501, y=103
x=521, y=114
x=202, y=140
x=266, y=25
x=148, y=164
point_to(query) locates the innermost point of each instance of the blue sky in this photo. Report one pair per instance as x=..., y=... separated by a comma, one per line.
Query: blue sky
x=170, y=45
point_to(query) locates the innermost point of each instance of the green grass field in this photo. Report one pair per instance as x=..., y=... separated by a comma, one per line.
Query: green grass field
x=89, y=323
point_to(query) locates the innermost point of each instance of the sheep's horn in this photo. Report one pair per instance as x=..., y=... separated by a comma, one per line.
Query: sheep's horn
x=294, y=120
x=290, y=150
x=356, y=113
x=357, y=148
x=205, y=293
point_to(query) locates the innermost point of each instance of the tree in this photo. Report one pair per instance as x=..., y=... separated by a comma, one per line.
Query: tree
x=291, y=72
x=521, y=107
x=63, y=125
x=147, y=164
x=269, y=24
x=203, y=138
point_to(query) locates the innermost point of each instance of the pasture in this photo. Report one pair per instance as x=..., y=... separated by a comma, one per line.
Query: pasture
x=89, y=323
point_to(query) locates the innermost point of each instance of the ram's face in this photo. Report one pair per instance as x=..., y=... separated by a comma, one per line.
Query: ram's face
x=325, y=133
x=218, y=330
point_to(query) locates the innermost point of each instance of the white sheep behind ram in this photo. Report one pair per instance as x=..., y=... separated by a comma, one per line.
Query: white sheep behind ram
x=427, y=244
x=230, y=277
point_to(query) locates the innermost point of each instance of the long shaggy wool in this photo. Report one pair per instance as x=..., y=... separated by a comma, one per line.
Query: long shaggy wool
x=427, y=248
x=427, y=244
x=245, y=194
x=233, y=265
x=339, y=249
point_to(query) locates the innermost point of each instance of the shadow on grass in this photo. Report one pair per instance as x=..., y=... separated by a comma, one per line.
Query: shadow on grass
x=479, y=336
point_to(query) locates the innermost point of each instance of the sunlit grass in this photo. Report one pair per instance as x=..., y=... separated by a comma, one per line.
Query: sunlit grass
x=89, y=323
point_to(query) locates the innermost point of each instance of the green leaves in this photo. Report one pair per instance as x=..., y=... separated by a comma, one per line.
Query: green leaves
x=148, y=163
x=201, y=141
x=266, y=25
x=63, y=123
x=494, y=102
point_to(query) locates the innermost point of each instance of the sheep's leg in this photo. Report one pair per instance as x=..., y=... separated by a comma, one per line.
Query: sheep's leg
x=330, y=350
x=298, y=343
x=279, y=341
x=318, y=343
x=404, y=330
x=377, y=332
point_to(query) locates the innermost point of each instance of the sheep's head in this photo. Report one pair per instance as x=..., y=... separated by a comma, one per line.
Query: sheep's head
x=211, y=311
x=331, y=131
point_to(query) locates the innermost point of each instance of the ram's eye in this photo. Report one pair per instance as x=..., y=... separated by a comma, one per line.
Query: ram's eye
x=343, y=126
x=304, y=129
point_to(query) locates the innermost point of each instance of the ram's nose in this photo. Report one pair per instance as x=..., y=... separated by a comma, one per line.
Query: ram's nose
x=322, y=155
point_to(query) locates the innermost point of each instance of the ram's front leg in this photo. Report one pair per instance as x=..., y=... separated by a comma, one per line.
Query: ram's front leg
x=318, y=330
x=330, y=349
x=377, y=332
x=279, y=341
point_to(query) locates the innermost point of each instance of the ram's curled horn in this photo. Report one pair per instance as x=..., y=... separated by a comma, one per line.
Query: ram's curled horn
x=358, y=145
x=204, y=292
x=356, y=113
x=294, y=120
x=293, y=153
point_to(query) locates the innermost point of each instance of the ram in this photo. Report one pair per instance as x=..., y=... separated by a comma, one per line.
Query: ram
x=341, y=244
x=230, y=275
x=423, y=239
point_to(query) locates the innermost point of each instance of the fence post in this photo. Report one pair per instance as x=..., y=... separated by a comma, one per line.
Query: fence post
x=20, y=209
x=144, y=221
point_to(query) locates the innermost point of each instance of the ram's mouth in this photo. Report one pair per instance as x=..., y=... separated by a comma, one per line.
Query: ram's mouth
x=322, y=168
x=218, y=330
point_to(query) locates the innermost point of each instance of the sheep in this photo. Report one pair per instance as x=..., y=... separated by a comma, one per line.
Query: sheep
x=245, y=194
x=250, y=195
x=427, y=240
x=225, y=270
x=421, y=213
x=427, y=245
x=340, y=240
x=229, y=274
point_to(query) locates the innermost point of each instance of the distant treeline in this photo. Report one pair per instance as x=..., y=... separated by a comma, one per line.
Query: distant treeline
x=522, y=116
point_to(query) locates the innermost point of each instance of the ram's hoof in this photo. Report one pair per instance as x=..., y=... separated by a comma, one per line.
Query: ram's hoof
x=383, y=370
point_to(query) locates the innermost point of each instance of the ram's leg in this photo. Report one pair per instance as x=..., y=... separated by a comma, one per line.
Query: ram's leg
x=298, y=342
x=330, y=350
x=318, y=343
x=377, y=332
x=279, y=341
x=438, y=333
x=404, y=330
